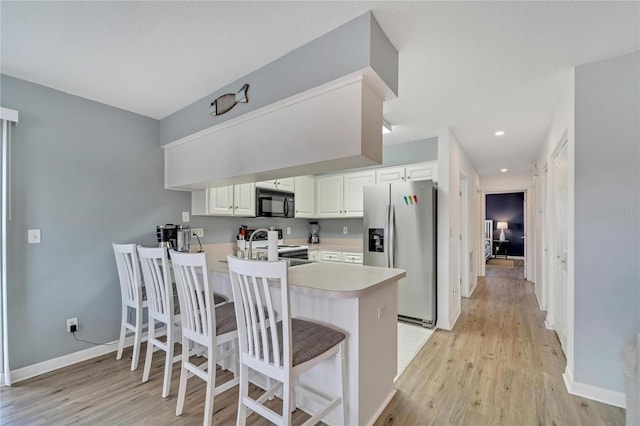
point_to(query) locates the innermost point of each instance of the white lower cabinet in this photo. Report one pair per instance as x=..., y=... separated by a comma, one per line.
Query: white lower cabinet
x=330, y=256
x=352, y=257
x=336, y=256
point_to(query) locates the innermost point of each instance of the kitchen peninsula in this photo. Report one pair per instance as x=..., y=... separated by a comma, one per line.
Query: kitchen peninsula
x=362, y=302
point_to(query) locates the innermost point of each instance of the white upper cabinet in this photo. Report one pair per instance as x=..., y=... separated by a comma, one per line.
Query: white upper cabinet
x=353, y=184
x=285, y=184
x=341, y=195
x=408, y=173
x=244, y=200
x=220, y=201
x=305, y=193
x=237, y=200
x=329, y=190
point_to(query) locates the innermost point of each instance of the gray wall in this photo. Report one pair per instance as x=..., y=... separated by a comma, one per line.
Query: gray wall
x=410, y=152
x=607, y=217
x=87, y=175
x=341, y=51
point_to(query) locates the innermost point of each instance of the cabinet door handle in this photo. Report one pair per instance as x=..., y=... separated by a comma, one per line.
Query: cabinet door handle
x=408, y=177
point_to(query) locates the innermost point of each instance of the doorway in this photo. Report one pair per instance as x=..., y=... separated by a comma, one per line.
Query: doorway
x=505, y=215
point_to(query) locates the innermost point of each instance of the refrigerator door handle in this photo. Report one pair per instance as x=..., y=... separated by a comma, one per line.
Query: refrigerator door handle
x=392, y=235
x=387, y=235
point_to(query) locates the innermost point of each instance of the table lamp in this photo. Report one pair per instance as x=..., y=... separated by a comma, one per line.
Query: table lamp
x=502, y=226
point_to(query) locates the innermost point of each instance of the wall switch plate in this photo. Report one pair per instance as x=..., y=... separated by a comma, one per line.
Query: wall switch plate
x=70, y=322
x=345, y=230
x=185, y=216
x=197, y=231
x=33, y=236
x=288, y=230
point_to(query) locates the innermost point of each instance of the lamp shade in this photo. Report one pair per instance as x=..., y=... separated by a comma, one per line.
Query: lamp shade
x=502, y=226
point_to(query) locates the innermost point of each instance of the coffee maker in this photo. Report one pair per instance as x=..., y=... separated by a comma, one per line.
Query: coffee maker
x=166, y=235
x=314, y=232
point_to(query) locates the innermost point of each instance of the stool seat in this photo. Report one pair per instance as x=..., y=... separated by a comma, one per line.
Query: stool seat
x=308, y=340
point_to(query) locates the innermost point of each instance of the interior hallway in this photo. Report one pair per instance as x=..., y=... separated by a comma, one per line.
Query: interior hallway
x=498, y=366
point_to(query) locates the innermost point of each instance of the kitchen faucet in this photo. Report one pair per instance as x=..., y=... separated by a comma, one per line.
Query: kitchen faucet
x=254, y=233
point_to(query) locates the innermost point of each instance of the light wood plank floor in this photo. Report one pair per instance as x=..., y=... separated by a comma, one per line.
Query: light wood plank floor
x=499, y=366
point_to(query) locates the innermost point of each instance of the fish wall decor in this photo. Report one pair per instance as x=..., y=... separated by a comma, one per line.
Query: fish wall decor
x=226, y=102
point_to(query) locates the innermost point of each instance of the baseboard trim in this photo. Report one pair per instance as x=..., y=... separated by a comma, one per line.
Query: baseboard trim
x=50, y=365
x=595, y=393
x=381, y=408
x=542, y=308
x=456, y=315
x=548, y=325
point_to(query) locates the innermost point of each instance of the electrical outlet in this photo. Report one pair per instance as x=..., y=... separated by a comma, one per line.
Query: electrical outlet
x=382, y=310
x=72, y=322
x=185, y=216
x=197, y=231
x=288, y=230
x=345, y=230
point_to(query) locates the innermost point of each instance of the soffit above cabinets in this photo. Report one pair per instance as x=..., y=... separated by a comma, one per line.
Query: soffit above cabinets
x=332, y=127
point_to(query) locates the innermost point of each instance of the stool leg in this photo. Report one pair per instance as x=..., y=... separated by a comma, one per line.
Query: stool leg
x=149, y=358
x=123, y=332
x=168, y=361
x=341, y=363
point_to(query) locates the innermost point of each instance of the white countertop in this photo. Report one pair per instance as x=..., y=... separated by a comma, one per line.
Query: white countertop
x=333, y=280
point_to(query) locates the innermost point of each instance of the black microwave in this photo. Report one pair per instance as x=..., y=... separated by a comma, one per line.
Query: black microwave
x=271, y=203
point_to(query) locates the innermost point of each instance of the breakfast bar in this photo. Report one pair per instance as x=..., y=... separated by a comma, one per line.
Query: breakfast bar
x=359, y=300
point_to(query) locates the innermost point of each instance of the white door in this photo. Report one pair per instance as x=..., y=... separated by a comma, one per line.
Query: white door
x=547, y=233
x=353, y=193
x=244, y=200
x=305, y=196
x=422, y=171
x=560, y=194
x=286, y=184
x=329, y=196
x=220, y=201
x=463, y=263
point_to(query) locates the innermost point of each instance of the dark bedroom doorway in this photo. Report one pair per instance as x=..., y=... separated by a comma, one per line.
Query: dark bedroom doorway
x=505, y=215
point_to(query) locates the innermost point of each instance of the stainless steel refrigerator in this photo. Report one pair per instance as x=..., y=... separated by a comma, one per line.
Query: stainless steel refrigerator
x=400, y=232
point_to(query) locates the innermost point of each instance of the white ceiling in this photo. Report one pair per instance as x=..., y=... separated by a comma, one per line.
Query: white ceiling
x=474, y=66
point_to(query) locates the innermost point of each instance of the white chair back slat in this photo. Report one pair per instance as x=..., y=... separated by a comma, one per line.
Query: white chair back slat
x=272, y=325
x=244, y=321
x=260, y=318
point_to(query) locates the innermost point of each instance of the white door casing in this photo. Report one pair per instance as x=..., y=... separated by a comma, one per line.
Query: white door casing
x=560, y=242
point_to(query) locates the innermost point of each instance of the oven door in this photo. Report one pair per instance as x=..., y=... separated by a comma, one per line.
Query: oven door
x=274, y=203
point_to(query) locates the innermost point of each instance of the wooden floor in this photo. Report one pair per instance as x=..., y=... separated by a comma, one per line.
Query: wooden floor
x=499, y=366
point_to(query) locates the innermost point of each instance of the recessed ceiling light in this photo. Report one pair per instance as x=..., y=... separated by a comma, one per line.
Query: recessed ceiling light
x=504, y=170
x=499, y=133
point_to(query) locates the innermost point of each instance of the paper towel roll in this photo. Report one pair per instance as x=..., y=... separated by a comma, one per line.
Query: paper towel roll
x=272, y=246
